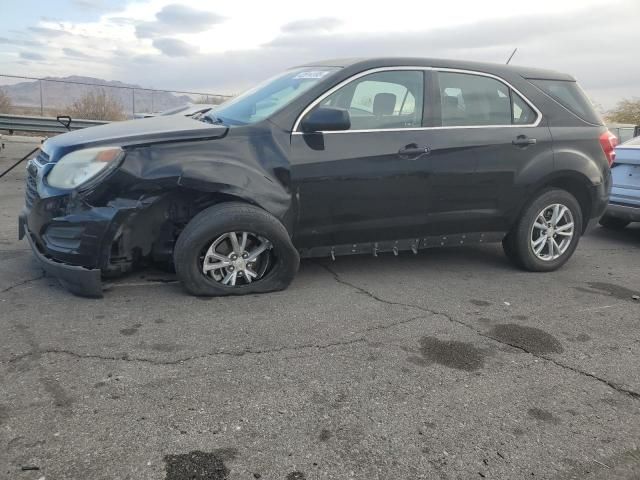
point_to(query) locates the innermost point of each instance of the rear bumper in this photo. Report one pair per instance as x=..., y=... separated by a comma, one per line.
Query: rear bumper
x=85, y=282
x=626, y=212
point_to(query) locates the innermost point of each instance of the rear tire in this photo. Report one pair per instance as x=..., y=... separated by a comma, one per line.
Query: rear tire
x=613, y=223
x=539, y=242
x=195, y=244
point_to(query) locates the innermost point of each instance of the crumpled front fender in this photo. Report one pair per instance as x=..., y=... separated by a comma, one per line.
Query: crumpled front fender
x=255, y=170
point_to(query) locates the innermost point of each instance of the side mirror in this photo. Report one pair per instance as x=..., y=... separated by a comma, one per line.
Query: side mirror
x=326, y=119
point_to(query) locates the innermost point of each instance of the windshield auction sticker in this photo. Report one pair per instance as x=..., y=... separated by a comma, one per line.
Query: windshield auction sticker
x=311, y=74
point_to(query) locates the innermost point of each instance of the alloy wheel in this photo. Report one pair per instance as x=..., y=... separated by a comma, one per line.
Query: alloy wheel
x=552, y=232
x=237, y=258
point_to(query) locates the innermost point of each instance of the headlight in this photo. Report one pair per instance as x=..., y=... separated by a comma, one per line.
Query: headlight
x=80, y=166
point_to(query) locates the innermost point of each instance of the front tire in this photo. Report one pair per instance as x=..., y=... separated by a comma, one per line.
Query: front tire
x=234, y=249
x=547, y=233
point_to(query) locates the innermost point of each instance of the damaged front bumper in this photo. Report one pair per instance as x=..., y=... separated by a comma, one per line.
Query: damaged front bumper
x=85, y=282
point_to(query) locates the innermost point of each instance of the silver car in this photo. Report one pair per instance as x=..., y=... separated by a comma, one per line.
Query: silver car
x=624, y=202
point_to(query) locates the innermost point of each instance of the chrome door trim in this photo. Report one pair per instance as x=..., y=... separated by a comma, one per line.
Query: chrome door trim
x=296, y=125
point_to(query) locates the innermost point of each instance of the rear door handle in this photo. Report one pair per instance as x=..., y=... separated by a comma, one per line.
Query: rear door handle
x=523, y=141
x=413, y=151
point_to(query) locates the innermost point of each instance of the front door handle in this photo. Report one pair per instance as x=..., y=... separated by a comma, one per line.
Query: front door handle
x=413, y=150
x=523, y=141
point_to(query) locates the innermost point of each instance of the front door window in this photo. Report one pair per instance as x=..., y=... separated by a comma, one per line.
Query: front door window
x=382, y=100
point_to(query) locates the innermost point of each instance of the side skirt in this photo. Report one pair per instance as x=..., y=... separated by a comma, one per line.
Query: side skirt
x=407, y=244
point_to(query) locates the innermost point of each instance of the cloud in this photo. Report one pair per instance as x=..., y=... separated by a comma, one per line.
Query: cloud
x=123, y=52
x=172, y=47
x=122, y=21
x=569, y=40
x=544, y=41
x=91, y=4
x=144, y=59
x=324, y=24
x=98, y=5
x=174, y=19
x=176, y=14
x=32, y=56
x=502, y=32
x=24, y=43
x=72, y=52
x=48, y=32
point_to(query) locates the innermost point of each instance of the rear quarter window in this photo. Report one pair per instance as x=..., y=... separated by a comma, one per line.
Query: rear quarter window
x=570, y=95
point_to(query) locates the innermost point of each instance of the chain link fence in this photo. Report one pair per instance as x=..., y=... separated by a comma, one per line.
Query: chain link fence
x=83, y=98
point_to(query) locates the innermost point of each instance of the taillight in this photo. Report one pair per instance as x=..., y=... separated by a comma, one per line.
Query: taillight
x=608, y=142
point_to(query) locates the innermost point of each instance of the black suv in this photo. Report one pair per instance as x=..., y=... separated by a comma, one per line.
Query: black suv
x=334, y=158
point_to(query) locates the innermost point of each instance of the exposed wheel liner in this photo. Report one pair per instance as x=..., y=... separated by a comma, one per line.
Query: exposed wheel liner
x=226, y=217
x=518, y=243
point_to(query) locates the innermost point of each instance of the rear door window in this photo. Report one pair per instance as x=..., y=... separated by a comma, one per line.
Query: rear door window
x=477, y=100
x=570, y=95
x=523, y=114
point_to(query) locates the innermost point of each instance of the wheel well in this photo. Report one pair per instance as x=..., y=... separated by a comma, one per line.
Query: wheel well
x=579, y=190
x=200, y=202
x=151, y=232
x=196, y=202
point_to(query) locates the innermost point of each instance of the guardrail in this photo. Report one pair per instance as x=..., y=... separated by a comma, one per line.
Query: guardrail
x=21, y=123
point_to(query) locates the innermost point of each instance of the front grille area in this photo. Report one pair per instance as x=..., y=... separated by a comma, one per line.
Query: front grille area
x=31, y=191
x=42, y=158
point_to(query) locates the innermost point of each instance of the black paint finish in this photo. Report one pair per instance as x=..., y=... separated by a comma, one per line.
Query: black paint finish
x=331, y=190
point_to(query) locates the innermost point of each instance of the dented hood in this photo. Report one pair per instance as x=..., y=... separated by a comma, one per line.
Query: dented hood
x=135, y=132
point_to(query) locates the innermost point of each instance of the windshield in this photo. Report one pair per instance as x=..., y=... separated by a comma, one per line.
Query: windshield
x=269, y=97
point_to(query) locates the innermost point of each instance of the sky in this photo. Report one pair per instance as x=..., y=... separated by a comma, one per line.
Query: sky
x=225, y=47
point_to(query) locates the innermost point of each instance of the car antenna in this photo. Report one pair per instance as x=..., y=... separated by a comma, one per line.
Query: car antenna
x=512, y=54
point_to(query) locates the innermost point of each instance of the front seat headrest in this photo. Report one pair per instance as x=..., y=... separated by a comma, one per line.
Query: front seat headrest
x=384, y=103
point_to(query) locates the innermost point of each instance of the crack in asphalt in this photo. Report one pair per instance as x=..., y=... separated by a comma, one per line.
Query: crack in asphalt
x=617, y=387
x=240, y=353
x=609, y=383
x=24, y=282
x=127, y=358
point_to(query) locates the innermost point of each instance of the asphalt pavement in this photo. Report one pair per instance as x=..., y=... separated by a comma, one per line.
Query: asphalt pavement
x=449, y=364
